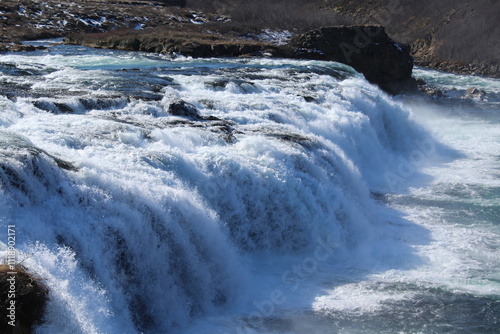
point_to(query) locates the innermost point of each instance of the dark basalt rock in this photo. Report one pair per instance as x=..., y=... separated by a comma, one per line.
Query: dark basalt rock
x=309, y=98
x=30, y=299
x=53, y=107
x=368, y=49
x=183, y=109
x=243, y=85
x=103, y=103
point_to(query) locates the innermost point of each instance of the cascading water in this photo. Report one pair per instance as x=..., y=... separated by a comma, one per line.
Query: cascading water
x=143, y=221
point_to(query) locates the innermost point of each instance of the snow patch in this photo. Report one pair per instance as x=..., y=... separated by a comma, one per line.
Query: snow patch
x=275, y=36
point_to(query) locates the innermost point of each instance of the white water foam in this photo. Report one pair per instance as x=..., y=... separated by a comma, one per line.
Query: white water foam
x=158, y=220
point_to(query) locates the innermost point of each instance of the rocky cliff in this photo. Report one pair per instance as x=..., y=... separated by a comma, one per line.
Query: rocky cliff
x=164, y=28
x=367, y=49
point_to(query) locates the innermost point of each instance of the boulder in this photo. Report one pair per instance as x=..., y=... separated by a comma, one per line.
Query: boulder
x=184, y=109
x=475, y=93
x=27, y=293
x=368, y=49
x=434, y=92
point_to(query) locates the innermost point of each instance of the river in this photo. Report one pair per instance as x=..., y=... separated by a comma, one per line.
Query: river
x=285, y=196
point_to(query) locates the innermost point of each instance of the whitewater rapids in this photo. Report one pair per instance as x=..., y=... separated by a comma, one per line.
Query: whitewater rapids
x=282, y=195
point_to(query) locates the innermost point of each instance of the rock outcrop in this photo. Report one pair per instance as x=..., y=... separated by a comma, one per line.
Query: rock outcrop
x=367, y=49
x=25, y=295
x=183, y=109
x=451, y=35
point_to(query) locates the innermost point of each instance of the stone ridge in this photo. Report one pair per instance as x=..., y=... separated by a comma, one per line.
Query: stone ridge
x=186, y=41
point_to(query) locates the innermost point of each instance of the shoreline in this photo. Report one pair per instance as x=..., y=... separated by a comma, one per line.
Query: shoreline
x=444, y=66
x=381, y=60
x=164, y=26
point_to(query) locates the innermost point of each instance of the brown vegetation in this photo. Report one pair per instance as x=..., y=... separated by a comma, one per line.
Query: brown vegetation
x=456, y=35
x=453, y=35
x=28, y=20
x=294, y=15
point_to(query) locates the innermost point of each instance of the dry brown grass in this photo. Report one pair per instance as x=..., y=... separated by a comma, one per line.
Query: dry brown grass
x=452, y=30
x=253, y=16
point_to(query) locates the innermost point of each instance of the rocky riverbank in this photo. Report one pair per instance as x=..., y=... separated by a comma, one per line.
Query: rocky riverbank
x=186, y=40
x=369, y=50
x=30, y=20
x=169, y=26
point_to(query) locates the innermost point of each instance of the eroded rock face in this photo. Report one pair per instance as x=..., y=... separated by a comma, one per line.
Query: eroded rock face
x=368, y=49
